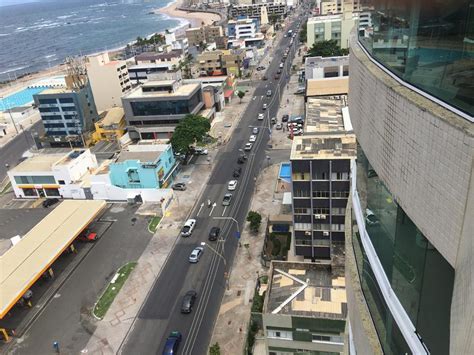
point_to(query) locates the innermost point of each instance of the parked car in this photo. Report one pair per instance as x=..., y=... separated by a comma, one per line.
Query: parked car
x=88, y=237
x=274, y=120
x=276, y=76
x=196, y=255
x=261, y=67
x=264, y=107
x=49, y=202
x=237, y=172
x=188, y=301
x=279, y=126
x=232, y=185
x=285, y=118
x=214, y=233
x=200, y=151
x=255, y=130
x=188, y=228
x=269, y=93
x=180, y=186
x=252, y=138
x=260, y=116
x=241, y=159
x=279, y=71
x=172, y=343
x=265, y=77
x=226, y=200
x=248, y=147
x=281, y=65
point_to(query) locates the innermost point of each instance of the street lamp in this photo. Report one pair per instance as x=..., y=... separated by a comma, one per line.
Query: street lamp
x=226, y=274
x=231, y=219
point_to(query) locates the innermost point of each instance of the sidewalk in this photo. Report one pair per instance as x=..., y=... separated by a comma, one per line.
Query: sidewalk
x=22, y=125
x=230, y=329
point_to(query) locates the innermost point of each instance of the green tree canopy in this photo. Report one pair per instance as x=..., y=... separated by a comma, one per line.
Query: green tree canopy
x=240, y=94
x=192, y=129
x=215, y=349
x=328, y=48
x=255, y=220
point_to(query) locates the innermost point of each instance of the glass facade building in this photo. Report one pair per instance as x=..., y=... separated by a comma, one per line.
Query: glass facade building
x=428, y=44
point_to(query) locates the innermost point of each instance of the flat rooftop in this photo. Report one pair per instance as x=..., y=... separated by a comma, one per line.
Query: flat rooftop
x=25, y=262
x=306, y=289
x=324, y=114
x=183, y=90
x=327, y=86
x=56, y=91
x=46, y=160
x=112, y=116
x=330, y=146
x=142, y=152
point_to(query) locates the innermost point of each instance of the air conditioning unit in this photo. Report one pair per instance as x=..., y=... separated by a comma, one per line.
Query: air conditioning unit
x=322, y=216
x=317, y=216
x=326, y=234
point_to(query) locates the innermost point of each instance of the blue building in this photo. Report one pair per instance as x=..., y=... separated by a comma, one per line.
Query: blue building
x=144, y=166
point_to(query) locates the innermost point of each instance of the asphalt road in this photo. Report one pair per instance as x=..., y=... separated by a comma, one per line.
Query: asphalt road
x=160, y=314
x=11, y=153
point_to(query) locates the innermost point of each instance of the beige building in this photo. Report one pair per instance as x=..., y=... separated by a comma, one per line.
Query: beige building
x=210, y=62
x=330, y=7
x=167, y=55
x=108, y=80
x=205, y=34
x=331, y=27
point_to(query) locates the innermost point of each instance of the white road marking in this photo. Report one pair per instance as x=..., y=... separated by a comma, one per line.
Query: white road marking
x=223, y=212
x=212, y=209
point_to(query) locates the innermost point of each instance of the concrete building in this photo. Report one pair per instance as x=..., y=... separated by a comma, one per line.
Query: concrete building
x=410, y=249
x=332, y=7
x=328, y=67
x=255, y=10
x=144, y=166
x=180, y=43
x=153, y=109
x=111, y=125
x=204, y=34
x=167, y=56
x=331, y=27
x=320, y=165
x=305, y=309
x=56, y=175
x=68, y=113
x=221, y=62
x=242, y=28
x=139, y=73
x=108, y=80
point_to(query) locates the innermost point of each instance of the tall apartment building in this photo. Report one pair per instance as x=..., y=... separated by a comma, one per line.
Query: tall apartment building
x=67, y=113
x=331, y=7
x=220, y=62
x=255, y=10
x=204, y=34
x=331, y=27
x=410, y=251
x=152, y=110
x=242, y=28
x=108, y=80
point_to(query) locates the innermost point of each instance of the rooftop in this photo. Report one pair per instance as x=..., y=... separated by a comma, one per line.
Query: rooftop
x=45, y=161
x=112, y=116
x=324, y=146
x=56, y=91
x=182, y=90
x=327, y=86
x=174, y=53
x=324, y=114
x=145, y=153
x=306, y=289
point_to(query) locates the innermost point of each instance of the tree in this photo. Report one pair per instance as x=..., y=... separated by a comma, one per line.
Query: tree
x=241, y=95
x=215, y=349
x=328, y=48
x=191, y=130
x=255, y=220
x=273, y=18
x=304, y=32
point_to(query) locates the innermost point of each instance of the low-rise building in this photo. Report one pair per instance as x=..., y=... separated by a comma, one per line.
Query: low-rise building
x=68, y=113
x=331, y=27
x=327, y=87
x=305, y=308
x=53, y=175
x=152, y=110
x=166, y=56
x=326, y=67
x=221, y=62
x=111, y=125
x=108, y=80
x=242, y=28
x=139, y=73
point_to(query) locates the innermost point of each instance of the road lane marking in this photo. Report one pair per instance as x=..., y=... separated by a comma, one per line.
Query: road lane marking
x=200, y=208
x=212, y=209
x=223, y=212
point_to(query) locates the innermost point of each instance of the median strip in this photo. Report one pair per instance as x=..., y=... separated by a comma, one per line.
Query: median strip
x=153, y=225
x=112, y=290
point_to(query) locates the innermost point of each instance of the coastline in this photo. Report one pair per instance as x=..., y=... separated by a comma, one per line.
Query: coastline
x=195, y=19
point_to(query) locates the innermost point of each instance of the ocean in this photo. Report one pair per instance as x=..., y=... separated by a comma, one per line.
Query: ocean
x=37, y=34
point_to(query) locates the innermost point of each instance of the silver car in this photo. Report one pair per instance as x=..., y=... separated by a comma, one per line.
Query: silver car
x=227, y=199
x=196, y=255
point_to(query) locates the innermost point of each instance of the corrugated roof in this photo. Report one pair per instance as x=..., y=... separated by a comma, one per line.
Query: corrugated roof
x=327, y=86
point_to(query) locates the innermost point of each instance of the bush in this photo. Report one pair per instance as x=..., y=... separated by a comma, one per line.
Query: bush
x=276, y=246
x=257, y=302
x=215, y=349
x=255, y=220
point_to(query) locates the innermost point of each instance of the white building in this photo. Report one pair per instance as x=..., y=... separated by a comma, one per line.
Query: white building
x=328, y=67
x=57, y=175
x=331, y=27
x=108, y=79
x=242, y=28
x=331, y=7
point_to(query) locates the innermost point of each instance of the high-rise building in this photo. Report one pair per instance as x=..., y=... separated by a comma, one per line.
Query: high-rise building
x=409, y=251
x=331, y=27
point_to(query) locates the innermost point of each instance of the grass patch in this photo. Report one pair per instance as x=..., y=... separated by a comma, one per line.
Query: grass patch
x=112, y=290
x=154, y=224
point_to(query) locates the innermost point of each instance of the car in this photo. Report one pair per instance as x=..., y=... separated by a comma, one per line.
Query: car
x=269, y=93
x=237, y=172
x=252, y=138
x=242, y=159
x=196, y=255
x=264, y=77
x=214, y=233
x=279, y=71
x=279, y=126
x=255, y=130
x=248, y=147
x=200, y=151
x=264, y=107
x=226, y=200
x=232, y=185
x=274, y=120
x=285, y=118
x=188, y=228
x=188, y=301
x=261, y=67
x=49, y=202
x=277, y=76
x=172, y=343
x=281, y=65
x=260, y=116
x=180, y=186
x=88, y=237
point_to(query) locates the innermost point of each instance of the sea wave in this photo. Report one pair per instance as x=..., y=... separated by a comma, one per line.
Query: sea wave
x=13, y=70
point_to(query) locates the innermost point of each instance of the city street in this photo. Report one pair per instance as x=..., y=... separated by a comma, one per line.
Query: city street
x=160, y=313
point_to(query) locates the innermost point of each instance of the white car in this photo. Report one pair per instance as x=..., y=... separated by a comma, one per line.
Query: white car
x=248, y=146
x=252, y=138
x=260, y=116
x=232, y=185
x=255, y=130
x=188, y=228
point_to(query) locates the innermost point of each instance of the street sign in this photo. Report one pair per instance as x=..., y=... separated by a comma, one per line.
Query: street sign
x=237, y=235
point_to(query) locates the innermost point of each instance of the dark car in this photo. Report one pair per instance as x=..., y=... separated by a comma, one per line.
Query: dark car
x=279, y=71
x=172, y=343
x=277, y=76
x=265, y=77
x=49, y=202
x=242, y=159
x=188, y=302
x=285, y=118
x=237, y=172
x=214, y=233
x=180, y=186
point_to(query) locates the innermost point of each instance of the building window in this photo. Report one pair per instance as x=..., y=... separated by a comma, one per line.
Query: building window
x=301, y=193
x=52, y=192
x=280, y=334
x=39, y=180
x=340, y=194
x=61, y=182
x=30, y=192
x=47, y=101
x=321, y=194
x=66, y=100
x=321, y=211
x=301, y=210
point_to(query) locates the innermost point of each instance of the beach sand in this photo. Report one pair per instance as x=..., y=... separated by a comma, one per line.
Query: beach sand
x=196, y=19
